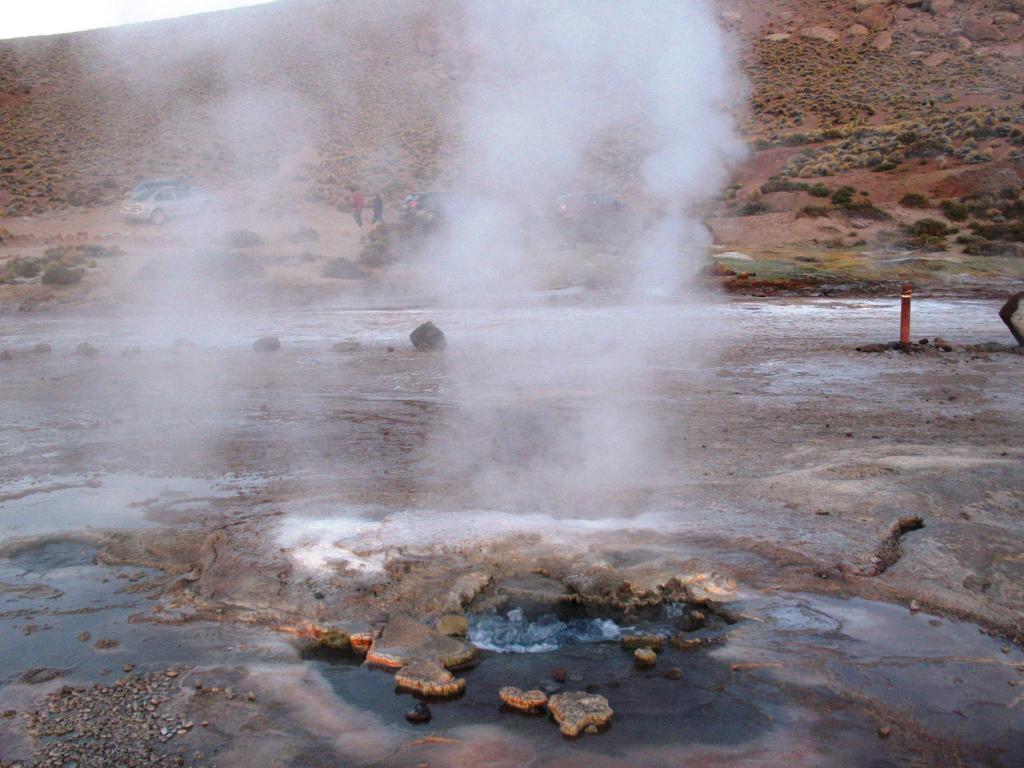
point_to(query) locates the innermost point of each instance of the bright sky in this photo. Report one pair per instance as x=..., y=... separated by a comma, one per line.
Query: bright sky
x=22, y=18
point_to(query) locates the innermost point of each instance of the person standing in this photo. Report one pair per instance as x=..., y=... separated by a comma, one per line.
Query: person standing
x=358, y=203
x=378, y=209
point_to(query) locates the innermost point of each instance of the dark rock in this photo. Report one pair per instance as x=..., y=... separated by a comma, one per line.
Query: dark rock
x=267, y=344
x=343, y=269
x=1012, y=314
x=302, y=234
x=85, y=349
x=559, y=675
x=242, y=238
x=694, y=620
x=418, y=713
x=41, y=348
x=428, y=338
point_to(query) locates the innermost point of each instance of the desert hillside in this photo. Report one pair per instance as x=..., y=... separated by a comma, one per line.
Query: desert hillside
x=863, y=117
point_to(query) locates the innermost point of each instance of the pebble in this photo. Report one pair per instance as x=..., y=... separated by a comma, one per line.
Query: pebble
x=559, y=674
x=674, y=674
x=84, y=636
x=128, y=667
x=645, y=657
x=418, y=713
x=171, y=673
x=884, y=732
x=914, y=606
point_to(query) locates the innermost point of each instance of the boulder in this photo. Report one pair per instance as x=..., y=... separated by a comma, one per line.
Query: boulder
x=429, y=678
x=961, y=43
x=936, y=59
x=346, y=346
x=819, y=33
x=882, y=41
x=857, y=30
x=939, y=7
x=525, y=701
x=877, y=17
x=41, y=348
x=405, y=640
x=575, y=710
x=926, y=27
x=85, y=349
x=428, y=338
x=861, y=5
x=981, y=30
x=778, y=37
x=267, y=344
x=1012, y=314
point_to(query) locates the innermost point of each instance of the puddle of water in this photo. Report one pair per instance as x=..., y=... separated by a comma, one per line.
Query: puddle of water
x=56, y=504
x=802, y=680
x=51, y=594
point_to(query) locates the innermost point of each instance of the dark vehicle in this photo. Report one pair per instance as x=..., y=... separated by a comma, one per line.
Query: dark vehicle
x=157, y=200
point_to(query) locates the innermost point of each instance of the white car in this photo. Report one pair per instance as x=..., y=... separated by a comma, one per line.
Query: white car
x=158, y=201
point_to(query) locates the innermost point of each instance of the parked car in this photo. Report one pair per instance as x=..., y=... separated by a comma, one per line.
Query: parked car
x=157, y=200
x=590, y=208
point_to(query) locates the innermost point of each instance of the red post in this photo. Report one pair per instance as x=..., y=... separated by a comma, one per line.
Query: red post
x=905, y=293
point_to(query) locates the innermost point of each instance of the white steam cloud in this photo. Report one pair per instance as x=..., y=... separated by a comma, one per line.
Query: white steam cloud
x=550, y=82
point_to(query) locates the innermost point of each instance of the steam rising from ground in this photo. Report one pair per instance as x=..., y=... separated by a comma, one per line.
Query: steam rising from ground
x=557, y=90
x=558, y=412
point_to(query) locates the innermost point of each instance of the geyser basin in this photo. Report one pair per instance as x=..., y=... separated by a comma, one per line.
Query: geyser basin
x=808, y=676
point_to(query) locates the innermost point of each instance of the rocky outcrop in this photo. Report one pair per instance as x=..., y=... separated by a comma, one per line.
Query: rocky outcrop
x=429, y=678
x=405, y=640
x=526, y=701
x=576, y=710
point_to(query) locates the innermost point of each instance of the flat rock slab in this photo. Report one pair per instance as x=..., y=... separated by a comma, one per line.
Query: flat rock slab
x=429, y=678
x=527, y=701
x=405, y=640
x=575, y=710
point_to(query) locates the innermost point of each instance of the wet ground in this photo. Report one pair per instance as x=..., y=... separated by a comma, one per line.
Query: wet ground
x=567, y=434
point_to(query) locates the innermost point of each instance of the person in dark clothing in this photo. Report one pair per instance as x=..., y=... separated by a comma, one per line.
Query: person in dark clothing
x=358, y=203
x=378, y=209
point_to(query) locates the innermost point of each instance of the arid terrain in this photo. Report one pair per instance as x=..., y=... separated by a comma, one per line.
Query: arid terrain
x=244, y=522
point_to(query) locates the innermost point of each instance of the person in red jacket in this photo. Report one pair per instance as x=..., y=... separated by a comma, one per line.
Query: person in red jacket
x=358, y=202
